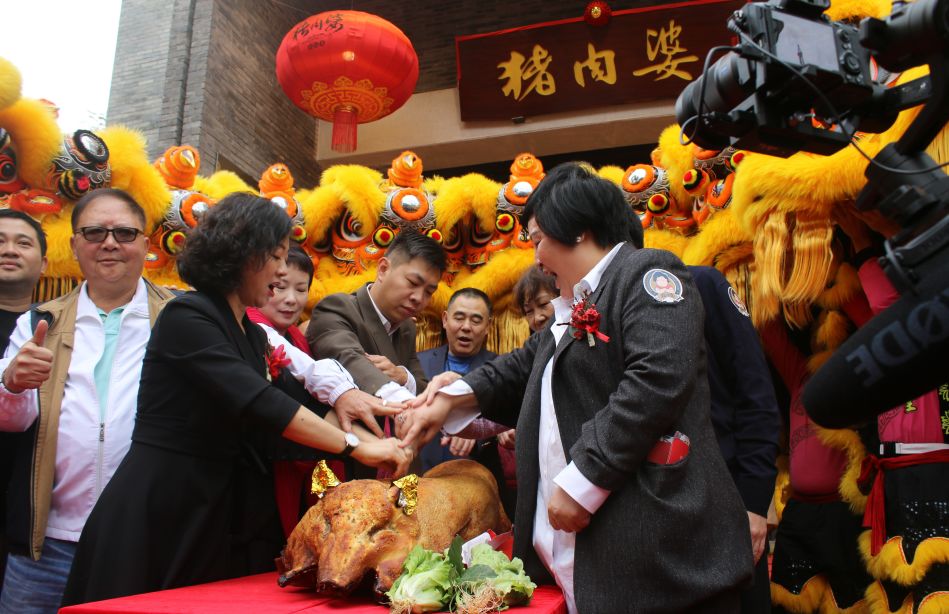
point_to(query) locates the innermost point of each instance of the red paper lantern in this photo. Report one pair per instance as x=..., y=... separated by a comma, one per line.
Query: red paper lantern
x=347, y=67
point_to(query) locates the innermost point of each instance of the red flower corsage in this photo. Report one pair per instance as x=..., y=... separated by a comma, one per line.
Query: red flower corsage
x=276, y=359
x=585, y=322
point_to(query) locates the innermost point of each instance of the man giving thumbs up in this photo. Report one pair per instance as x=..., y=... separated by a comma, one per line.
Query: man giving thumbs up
x=69, y=387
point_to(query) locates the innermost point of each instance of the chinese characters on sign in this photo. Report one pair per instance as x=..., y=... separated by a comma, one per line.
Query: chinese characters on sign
x=601, y=64
x=665, y=42
x=644, y=54
x=519, y=71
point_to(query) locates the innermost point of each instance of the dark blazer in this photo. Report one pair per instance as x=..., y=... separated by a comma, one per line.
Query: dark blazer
x=669, y=536
x=346, y=326
x=744, y=409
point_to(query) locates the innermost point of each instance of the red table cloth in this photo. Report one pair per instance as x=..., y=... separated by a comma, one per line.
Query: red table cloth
x=260, y=595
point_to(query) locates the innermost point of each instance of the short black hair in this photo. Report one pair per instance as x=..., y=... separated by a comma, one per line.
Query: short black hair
x=36, y=226
x=572, y=199
x=530, y=284
x=409, y=245
x=89, y=197
x=241, y=230
x=298, y=259
x=472, y=293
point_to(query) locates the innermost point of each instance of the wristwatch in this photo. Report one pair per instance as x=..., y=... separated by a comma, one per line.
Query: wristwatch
x=352, y=442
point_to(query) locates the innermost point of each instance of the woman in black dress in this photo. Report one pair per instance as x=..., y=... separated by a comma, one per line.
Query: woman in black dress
x=176, y=511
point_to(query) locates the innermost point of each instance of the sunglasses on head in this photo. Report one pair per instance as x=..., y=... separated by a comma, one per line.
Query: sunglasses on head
x=98, y=234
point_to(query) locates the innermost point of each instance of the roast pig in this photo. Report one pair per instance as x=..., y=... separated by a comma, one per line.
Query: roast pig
x=356, y=530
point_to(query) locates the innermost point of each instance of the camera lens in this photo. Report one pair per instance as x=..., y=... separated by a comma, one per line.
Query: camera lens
x=725, y=86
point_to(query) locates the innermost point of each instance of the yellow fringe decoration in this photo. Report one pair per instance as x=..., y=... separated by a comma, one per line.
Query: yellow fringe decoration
x=496, y=278
x=876, y=599
x=816, y=360
x=939, y=148
x=470, y=194
x=842, y=288
x=832, y=329
x=220, y=184
x=933, y=603
x=811, y=259
x=676, y=159
x=49, y=288
x=782, y=485
x=132, y=172
x=816, y=596
x=891, y=563
x=739, y=276
x=613, y=174
x=59, y=255
x=668, y=240
x=481, y=197
x=356, y=188
x=849, y=442
x=10, y=83
x=858, y=9
x=798, y=314
x=334, y=280
x=36, y=137
x=428, y=333
x=718, y=234
x=770, y=247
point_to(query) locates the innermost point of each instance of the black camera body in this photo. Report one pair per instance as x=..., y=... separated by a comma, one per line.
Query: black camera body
x=777, y=93
x=798, y=82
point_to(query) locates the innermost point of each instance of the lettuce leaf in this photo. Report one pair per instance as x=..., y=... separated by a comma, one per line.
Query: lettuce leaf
x=426, y=582
x=510, y=582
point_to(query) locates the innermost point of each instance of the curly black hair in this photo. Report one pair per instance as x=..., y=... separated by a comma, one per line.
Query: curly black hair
x=241, y=230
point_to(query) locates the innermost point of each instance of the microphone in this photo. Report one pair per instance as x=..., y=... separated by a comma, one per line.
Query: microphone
x=897, y=356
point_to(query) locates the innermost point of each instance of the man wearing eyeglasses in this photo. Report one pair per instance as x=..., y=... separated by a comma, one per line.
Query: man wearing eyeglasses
x=69, y=387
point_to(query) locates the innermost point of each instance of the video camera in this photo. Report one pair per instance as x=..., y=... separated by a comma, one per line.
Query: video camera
x=798, y=82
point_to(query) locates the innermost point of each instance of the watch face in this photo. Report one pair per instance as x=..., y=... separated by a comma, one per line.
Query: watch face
x=352, y=440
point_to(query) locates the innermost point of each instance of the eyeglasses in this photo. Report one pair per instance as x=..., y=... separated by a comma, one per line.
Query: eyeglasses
x=98, y=234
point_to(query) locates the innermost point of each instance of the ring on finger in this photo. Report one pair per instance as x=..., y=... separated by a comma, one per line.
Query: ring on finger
x=401, y=418
x=384, y=402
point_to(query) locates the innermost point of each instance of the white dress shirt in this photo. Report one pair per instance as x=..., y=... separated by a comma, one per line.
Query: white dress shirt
x=325, y=379
x=392, y=391
x=555, y=548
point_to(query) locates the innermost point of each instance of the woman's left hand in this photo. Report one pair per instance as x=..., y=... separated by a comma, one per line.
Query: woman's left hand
x=356, y=405
x=385, y=453
x=565, y=514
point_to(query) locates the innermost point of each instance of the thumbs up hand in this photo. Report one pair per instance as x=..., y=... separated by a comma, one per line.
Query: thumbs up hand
x=32, y=364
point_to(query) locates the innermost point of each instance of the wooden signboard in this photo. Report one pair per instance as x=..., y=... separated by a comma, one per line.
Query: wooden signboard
x=642, y=54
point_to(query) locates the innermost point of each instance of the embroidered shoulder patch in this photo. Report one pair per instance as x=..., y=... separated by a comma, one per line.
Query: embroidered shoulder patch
x=662, y=286
x=737, y=302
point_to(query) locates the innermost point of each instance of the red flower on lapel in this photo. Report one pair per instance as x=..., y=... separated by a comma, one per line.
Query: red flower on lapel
x=276, y=360
x=585, y=322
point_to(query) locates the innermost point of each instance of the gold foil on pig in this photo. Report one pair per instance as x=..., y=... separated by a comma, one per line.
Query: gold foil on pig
x=408, y=493
x=323, y=479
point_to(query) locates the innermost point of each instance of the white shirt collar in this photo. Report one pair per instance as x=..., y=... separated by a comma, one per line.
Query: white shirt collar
x=137, y=306
x=586, y=286
x=385, y=321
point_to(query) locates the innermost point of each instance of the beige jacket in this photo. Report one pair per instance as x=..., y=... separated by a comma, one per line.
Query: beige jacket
x=59, y=339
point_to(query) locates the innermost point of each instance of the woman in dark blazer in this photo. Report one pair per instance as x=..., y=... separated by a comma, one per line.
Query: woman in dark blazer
x=628, y=521
x=180, y=508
